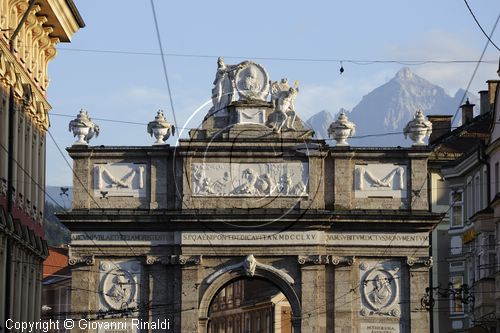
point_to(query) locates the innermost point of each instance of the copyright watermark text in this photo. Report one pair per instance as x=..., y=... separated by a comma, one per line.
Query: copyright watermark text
x=68, y=324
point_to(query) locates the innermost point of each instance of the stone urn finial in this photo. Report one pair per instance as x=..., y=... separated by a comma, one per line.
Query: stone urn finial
x=83, y=128
x=341, y=129
x=160, y=128
x=418, y=128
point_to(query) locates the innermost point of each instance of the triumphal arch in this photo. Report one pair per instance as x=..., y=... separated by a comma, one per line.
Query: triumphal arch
x=159, y=231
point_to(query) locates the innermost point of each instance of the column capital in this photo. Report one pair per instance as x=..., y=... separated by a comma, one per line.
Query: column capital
x=414, y=262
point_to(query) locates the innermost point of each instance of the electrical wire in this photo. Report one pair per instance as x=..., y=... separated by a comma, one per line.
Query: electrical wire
x=165, y=72
x=476, y=68
x=409, y=62
x=480, y=27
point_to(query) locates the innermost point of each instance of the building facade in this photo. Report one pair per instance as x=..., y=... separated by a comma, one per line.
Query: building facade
x=29, y=34
x=464, y=244
x=250, y=306
x=159, y=231
x=56, y=287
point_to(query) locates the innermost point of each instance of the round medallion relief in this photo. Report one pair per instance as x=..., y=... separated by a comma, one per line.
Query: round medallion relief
x=380, y=289
x=252, y=82
x=118, y=289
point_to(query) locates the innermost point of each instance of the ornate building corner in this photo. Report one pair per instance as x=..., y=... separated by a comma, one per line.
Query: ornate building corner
x=193, y=260
x=313, y=259
x=75, y=260
x=419, y=261
x=337, y=261
x=162, y=260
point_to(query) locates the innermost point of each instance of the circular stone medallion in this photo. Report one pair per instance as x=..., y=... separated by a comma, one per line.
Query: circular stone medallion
x=252, y=82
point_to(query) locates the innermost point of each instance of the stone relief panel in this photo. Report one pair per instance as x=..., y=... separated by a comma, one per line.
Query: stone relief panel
x=380, y=288
x=119, y=284
x=251, y=116
x=120, y=180
x=380, y=180
x=250, y=179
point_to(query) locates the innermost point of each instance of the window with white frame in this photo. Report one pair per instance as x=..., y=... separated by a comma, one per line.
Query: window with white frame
x=456, y=295
x=456, y=203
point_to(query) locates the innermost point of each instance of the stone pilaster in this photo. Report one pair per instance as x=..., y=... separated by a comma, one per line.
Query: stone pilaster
x=344, y=295
x=189, y=298
x=84, y=278
x=313, y=298
x=418, y=280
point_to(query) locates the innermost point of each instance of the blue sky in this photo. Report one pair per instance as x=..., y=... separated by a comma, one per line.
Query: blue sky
x=132, y=87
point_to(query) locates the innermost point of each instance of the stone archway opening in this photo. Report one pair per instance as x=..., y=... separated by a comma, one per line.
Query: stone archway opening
x=248, y=305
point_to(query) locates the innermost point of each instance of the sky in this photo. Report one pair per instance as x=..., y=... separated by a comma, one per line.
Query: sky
x=128, y=84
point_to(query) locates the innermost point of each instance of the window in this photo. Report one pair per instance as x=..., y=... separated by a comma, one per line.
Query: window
x=497, y=174
x=484, y=184
x=456, y=295
x=477, y=194
x=456, y=209
x=492, y=263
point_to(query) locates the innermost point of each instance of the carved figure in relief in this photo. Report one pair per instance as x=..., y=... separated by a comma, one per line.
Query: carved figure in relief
x=263, y=184
x=248, y=187
x=249, y=265
x=285, y=183
x=119, y=292
x=381, y=290
x=251, y=82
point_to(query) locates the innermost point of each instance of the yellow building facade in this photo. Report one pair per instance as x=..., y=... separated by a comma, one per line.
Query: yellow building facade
x=29, y=33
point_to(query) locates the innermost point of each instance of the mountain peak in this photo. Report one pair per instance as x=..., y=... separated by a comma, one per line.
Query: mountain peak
x=405, y=73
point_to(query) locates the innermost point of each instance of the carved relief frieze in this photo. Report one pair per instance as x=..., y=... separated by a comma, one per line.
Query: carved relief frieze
x=120, y=179
x=380, y=180
x=250, y=179
x=119, y=284
x=380, y=288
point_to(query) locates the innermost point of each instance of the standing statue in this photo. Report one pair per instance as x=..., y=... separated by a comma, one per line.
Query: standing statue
x=224, y=88
x=283, y=100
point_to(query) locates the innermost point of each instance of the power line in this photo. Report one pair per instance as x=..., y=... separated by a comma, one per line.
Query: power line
x=476, y=68
x=480, y=27
x=409, y=62
x=163, y=61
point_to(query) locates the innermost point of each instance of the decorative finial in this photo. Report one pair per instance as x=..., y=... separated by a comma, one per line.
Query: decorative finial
x=83, y=128
x=341, y=129
x=160, y=128
x=418, y=128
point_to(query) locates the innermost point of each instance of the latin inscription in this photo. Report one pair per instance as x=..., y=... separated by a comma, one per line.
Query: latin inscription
x=250, y=238
x=379, y=328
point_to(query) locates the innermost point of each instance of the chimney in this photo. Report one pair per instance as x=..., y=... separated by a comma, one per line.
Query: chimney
x=467, y=112
x=441, y=125
x=484, y=105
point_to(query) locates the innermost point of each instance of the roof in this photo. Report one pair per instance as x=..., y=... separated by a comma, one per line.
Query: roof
x=464, y=139
x=56, y=264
